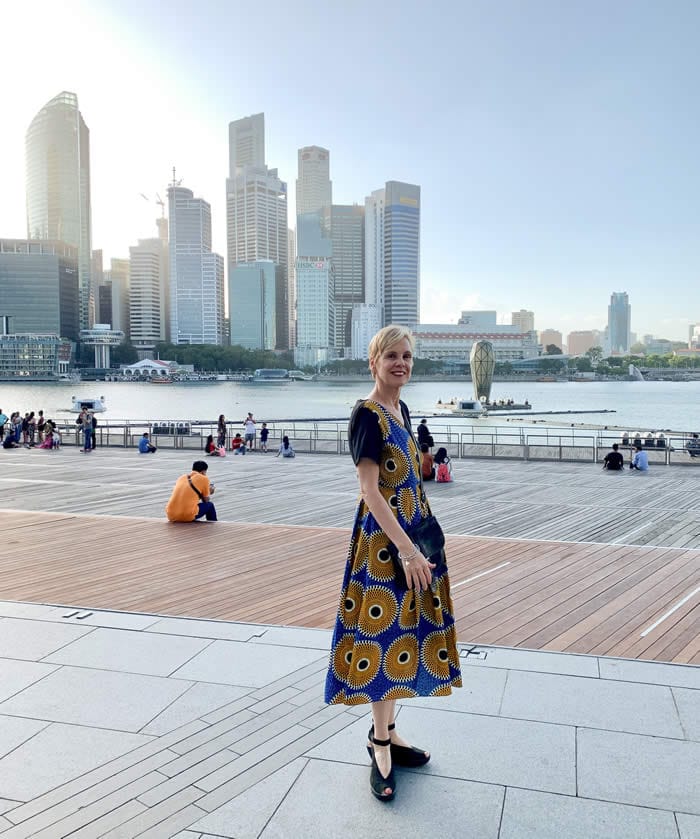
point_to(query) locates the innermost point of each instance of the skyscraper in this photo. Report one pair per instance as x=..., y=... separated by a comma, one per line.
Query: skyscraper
x=292, y=286
x=246, y=143
x=313, y=188
x=374, y=250
x=39, y=287
x=524, y=320
x=347, y=226
x=619, y=322
x=117, y=280
x=57, y=148
x=256, y=211
x=402, y=253
x=253, y=313
x=196, y=274
x=392, y=252
x=148, y=294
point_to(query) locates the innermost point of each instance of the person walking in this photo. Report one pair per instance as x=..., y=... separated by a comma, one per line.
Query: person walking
x=394, y=635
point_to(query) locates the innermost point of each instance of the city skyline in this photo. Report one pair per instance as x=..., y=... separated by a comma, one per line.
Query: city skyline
x=573, y=144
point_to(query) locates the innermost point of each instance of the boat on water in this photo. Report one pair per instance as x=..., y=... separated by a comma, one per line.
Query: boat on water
x=96, y=404
x=161, y=380
x=464, y=408
x=270, y=376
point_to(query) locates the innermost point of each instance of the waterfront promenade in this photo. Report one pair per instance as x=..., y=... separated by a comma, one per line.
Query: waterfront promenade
x=190, y=711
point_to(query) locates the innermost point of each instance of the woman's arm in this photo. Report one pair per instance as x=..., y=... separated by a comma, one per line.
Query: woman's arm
x=418, y=570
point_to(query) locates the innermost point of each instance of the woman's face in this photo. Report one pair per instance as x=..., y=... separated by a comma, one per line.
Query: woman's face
x=393, y=367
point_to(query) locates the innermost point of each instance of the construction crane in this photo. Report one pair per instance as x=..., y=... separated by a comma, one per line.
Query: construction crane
x=158, y=200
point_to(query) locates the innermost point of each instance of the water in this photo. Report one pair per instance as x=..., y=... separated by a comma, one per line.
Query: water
x=638, y=405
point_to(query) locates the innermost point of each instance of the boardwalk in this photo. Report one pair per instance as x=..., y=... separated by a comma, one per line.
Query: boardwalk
x=554, y=590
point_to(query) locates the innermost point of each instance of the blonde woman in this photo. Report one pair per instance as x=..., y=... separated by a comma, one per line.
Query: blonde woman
x=394, y=638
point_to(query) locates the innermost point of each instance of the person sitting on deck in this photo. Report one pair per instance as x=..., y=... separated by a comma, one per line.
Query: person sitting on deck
x=613, y=461
x=238, y=445
x=286, y=449
x=427, y=463
x=693, y=446
x=640, y=461
x=191, y=497
x=443, y=466
x=145, y=445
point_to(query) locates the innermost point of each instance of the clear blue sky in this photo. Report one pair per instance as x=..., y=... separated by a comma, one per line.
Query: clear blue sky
x=556, y=143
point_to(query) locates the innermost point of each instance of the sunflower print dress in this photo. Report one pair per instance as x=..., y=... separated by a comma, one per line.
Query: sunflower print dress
x=389, y=643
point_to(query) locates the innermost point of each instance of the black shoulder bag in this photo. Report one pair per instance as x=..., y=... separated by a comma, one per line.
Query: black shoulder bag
x=201, y=497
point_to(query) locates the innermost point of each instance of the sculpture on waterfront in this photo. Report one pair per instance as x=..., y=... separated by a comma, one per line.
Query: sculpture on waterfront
x=482, y=361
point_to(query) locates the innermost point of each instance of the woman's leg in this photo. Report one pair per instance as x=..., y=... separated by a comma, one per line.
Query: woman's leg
x=382, y=715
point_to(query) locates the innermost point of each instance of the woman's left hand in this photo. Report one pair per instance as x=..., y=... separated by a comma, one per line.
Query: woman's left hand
x=419, y=572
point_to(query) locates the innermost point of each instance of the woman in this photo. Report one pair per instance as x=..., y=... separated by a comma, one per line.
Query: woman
x=221, y=432
x=212, y=449
x=286, y=449
x=443, y=475
x=390, y=642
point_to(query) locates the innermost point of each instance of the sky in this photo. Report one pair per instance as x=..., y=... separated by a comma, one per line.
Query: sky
x=555, y=143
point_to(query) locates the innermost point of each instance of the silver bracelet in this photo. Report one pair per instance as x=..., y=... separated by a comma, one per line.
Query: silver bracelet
x=408, y=557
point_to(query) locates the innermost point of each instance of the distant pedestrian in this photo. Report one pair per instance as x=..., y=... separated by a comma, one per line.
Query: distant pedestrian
x=221, y=431
x=249, y=429
x=640, y=461
x=692, y=446
x=145, y=445
x=264, y=434
x=424, y=436
x=40, y=426
x=443, y=466
x=613, y=461
x=286, y=449
x=3, y=422
x=237, y=444
x=427, y=463
x=85, y=422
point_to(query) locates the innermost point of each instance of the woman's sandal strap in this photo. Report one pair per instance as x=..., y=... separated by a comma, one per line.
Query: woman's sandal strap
x=380, y=742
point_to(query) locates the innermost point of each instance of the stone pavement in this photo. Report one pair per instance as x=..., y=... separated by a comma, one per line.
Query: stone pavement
x=131, y=725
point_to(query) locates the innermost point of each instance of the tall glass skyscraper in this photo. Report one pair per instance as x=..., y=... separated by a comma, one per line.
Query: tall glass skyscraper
x=392, y=252
x=57, y=149
x=256, y=211
x=619, y=322
x=402, y=253
x=196, y=274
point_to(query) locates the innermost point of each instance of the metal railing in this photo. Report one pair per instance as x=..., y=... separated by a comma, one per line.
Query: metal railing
x=329, y=437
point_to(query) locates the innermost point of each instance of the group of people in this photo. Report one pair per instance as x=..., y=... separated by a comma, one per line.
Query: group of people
x=32, y=430
x=246, y=442
x=615, y=462
x=437, y=467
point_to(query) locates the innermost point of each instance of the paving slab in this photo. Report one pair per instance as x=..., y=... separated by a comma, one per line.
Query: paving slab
x=688, y=704
x=15, y=676
x=33, y=639
x=14, y=731
x=245, y=816
x=688, y=826
x=296, y=636
x=122, y=701
x=630, y=670
x=595, y=703
x=115, y=620
x=541, y=815
x=199, y=700
x=6, y=804
x=632, y=769
x=247, y=665
x=481, y=693
x=58, y=754
x=130, y=652
x=321, y=794
x=538, y=756
x=216, y=630
x=17, y=609
x=532, y=660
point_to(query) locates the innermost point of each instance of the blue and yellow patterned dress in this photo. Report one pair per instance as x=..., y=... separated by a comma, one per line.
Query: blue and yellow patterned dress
x=389, y=643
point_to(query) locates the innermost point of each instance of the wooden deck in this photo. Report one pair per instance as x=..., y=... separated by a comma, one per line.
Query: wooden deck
x=582, y=598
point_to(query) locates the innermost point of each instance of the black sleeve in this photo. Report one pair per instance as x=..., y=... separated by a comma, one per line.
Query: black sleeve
x=364, y=435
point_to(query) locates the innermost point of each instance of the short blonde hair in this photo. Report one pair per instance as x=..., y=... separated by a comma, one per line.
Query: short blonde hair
x=387, y=337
